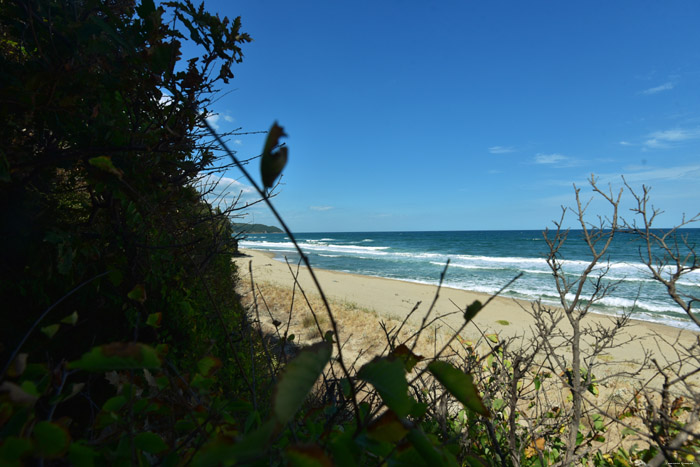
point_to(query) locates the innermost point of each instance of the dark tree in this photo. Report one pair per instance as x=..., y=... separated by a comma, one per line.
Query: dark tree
x=100, y=148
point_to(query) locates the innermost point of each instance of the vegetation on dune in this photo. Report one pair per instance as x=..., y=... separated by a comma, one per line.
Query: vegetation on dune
x=124, y=343
x=255, y=228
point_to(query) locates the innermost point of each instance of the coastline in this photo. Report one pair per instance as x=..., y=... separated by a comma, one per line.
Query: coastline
x=391, y=298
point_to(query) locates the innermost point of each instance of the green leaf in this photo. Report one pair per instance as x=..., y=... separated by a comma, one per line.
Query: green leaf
x=492, y=337
x=344, y=449
x=472, y=310
x=418, y=410
x=364, y=410
x=105, y=164
x=51, y=440
x=298, y=378
x=222, y=451
x=473, y=461
x=310, y=455
x=409, y=358
x=154, y=319
x=146, y=8
x=460, y=385
x=272, y=163
x=538, y=383
x=114, y=403
x=13, y=449
x=273, y=136
x=345, y=386
x=593, y=388
x=387, y=428
x=71, y=319
x=498, y=404
x=117, y=356
x=202, y=383
x=598, y=423
x=141, y=404
x=215, y=452
x=150, y=442
x=252, y=419
x=19, y=364
x=162, y=349
x=50, y=330
x=138, y=293
x=208, y=365
x=425, y=448
x=81, y=455
x=389, y=379
x=30, y=388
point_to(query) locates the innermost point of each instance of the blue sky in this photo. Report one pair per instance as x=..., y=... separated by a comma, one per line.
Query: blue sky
x=446, y=115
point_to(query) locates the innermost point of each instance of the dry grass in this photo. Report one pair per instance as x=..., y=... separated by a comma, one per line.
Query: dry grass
x=359, y=328
x=284, y=311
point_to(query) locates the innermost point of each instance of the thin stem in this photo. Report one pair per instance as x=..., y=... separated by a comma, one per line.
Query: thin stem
x=303, y=256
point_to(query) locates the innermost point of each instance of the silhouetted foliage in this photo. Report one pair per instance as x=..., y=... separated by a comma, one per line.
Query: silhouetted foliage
x=98, y=163
x=102, y=146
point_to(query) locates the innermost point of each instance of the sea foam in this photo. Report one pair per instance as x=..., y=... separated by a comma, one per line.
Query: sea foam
x=484, y=262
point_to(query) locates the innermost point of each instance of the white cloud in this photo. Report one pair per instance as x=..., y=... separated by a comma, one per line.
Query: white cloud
x=677, y=135
x=643, y=174
x=551, y=159
x=665, y=173
x=664, y=139
x=212, y=120
x=501, y=149
x=626, y=143
x=223, y=191
x=635, y=167
x=215, y=119
x=664, y=87
x=232, y=184
x=320, y=208
x=237, y=142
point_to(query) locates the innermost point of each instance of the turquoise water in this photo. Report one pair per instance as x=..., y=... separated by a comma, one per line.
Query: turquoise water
x=485, y=261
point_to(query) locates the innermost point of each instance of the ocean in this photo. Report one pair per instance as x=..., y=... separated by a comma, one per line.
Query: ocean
x=484, y=261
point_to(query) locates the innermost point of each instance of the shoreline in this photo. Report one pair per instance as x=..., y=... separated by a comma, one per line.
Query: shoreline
x=394, y=299
x=250, y=253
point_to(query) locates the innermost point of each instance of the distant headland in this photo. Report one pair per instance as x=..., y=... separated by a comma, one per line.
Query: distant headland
x=255, y=228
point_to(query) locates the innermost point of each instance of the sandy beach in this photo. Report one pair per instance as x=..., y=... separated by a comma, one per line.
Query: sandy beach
x=507, y=317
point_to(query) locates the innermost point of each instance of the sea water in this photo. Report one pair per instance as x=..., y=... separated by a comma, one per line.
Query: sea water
x=485, y=261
